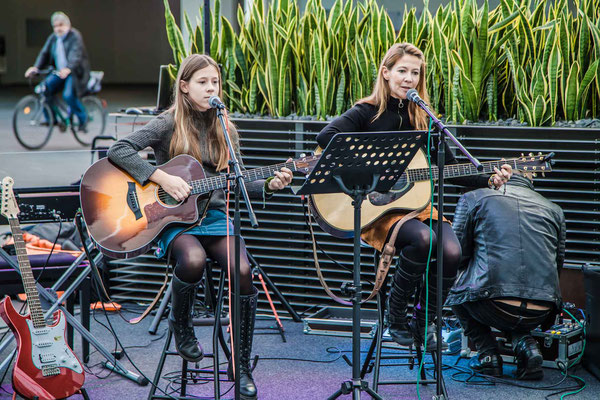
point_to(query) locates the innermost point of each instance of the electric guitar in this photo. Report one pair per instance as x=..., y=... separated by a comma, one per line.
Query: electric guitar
x=46, y=367
x=124, y=217
x=334, y=211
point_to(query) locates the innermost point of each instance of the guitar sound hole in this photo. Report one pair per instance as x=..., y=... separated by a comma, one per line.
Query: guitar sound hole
x=166, y=198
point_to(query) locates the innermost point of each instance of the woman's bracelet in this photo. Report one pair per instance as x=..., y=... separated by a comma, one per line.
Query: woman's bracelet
x=491, y=182
x=266, y=187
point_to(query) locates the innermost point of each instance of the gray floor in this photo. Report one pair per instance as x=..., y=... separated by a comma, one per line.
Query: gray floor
x=305, y=367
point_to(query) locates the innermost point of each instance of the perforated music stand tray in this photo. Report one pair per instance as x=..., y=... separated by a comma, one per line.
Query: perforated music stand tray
x=357, y=157
x=357, y=164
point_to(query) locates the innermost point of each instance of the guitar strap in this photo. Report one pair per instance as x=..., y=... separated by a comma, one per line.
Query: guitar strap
x=385, y=260
x=167, y=266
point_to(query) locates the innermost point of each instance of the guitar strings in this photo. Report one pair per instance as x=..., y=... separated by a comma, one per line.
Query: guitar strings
x=217, y=182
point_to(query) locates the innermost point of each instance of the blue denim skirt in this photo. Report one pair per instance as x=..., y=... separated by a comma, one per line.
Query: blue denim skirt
x=214, y=224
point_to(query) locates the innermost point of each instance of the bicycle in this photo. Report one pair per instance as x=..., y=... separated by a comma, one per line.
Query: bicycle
x=34, y=118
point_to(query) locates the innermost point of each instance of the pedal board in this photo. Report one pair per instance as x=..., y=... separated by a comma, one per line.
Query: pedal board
x=337, y=321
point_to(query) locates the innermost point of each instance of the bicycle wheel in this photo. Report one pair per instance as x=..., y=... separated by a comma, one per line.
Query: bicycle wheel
x=33, y=122
x=96, y=115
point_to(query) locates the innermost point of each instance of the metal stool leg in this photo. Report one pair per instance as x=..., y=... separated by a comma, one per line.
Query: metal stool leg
x=161, y=364
x=161, y=310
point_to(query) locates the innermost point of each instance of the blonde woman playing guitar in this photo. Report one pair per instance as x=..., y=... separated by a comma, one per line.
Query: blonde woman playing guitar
x=387, y=109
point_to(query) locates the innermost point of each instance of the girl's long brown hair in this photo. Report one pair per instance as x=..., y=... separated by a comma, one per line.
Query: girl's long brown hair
x=381, y=90
x=185, y=136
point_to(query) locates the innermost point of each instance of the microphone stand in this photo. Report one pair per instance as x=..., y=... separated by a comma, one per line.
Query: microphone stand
x=441, y=160
x=240, y=186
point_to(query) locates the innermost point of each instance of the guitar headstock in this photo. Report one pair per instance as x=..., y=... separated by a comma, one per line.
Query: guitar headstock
x=307, y=163
x=8, y=204
x=535, y=164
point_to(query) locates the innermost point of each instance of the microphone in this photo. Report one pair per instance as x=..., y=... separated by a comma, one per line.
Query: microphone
x=215, y=102
x=413, y=96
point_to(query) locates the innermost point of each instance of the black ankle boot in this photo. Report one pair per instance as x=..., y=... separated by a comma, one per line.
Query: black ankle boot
x=487, y=364
x=529, y=359
x=248, y=304
x=418, y=323
x=403, y=288
x=180, y=320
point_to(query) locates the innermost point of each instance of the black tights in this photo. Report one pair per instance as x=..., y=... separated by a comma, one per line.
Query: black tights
x=413, y=241
x=190, y=252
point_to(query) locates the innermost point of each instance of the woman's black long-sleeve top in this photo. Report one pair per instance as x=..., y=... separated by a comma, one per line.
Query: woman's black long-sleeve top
x=360, y=119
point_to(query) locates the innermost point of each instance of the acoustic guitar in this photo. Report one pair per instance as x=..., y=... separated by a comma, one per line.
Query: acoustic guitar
x=45, y=367
x=124, y=217
x=334, y=211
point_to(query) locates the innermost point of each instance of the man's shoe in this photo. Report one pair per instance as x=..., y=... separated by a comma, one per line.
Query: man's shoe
x=529, y=359
x=487, y=364
x=83, y=128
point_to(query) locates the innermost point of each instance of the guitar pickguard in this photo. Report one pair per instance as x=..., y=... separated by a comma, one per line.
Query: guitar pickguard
x=399, y=189
x=49, y=350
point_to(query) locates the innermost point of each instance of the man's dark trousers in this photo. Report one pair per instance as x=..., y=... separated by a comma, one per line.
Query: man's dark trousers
x=477, y=317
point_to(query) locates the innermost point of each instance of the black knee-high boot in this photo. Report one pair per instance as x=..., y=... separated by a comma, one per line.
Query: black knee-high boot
x=180, y=320
x=403, y=288
x=417, y=323
x=248, y=305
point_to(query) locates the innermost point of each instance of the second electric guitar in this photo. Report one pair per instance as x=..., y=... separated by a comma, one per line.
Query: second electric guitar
x=46, y=368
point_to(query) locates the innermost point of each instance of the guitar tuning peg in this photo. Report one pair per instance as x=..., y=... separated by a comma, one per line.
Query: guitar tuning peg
x=543, y=174
x=539, y=153
x=530, y=154
x=535, y=174
x=522, y=155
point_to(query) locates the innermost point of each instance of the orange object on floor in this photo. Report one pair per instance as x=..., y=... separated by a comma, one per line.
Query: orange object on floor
x=107, y=306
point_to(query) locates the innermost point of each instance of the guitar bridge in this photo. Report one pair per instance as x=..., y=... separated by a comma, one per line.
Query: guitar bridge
x=50, y=370
x=132, y=200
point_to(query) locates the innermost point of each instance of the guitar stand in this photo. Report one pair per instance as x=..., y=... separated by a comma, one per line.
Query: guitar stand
x=266, y=281
x=358, y=164
x=111, y=362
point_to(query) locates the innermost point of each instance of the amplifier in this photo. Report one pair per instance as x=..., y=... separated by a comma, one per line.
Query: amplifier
x=46, y=204
x=562, y=342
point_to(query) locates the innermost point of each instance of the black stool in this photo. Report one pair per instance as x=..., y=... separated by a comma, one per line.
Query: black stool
x=218, y=338
x=377, y=344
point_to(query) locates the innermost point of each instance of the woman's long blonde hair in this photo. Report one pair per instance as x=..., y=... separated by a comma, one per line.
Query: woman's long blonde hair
x=185, y=136
x=381, y=90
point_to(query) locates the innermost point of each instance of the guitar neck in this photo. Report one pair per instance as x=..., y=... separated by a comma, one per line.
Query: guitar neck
x=206, y=185
x=457, y=170
x=33, y=298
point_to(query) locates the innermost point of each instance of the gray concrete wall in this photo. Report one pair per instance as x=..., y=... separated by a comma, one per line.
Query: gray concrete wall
x=124, y=38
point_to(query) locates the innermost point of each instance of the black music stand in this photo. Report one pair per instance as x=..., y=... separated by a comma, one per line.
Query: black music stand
x=358, y=164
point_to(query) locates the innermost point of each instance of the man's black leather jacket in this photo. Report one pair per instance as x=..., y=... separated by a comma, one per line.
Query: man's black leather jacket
x=513, y=245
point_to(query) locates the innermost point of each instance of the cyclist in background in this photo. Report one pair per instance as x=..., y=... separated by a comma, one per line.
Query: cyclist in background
x=64, y=50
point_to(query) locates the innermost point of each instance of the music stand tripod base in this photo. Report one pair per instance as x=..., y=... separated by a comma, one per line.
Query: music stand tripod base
x=358, y=164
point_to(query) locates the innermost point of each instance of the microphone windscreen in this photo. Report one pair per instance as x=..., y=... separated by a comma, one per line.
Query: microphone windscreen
x=413, y=95
x=214, y=101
